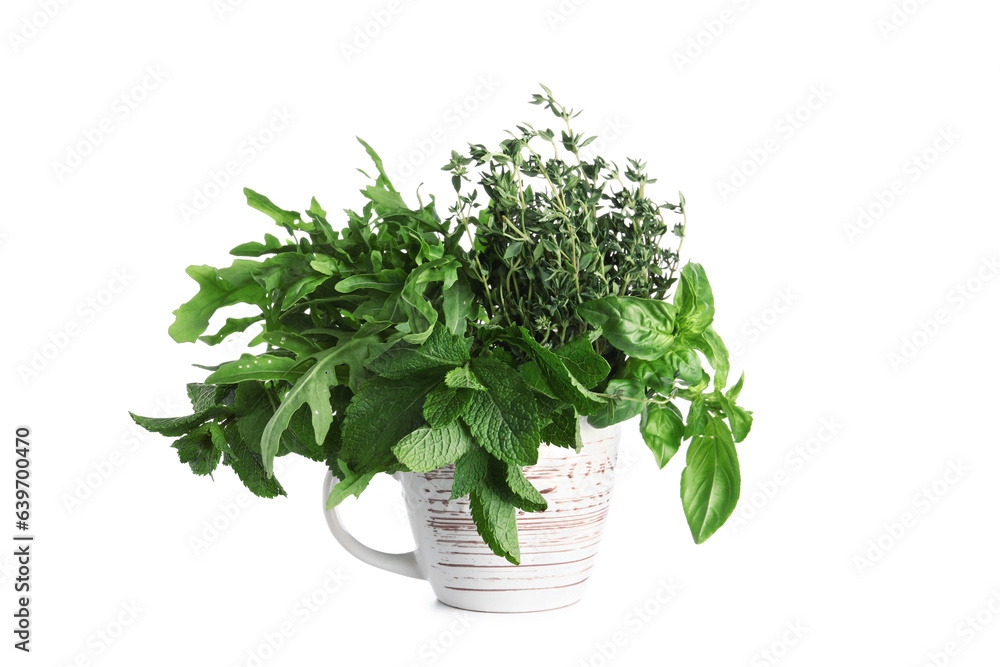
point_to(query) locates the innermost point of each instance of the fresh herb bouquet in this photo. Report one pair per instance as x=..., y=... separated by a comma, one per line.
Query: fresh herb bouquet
x=388, y=346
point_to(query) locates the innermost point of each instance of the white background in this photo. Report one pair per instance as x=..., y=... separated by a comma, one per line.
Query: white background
x=844, y=546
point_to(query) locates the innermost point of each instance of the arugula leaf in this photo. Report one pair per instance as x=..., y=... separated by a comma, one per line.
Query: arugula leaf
x=191, y=319
x=312, y=389
x=253, y=368
x=642, y=328
x=710, y=484
x=350, y=484
x=470, y=470
x=287, y=219
x=293, y=342
x=496, y=521
x=229, y=328
x=662, y=428
x=427, y=449
x=503, y=419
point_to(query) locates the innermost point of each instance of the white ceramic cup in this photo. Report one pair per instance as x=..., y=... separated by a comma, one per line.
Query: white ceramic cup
x=558, y=546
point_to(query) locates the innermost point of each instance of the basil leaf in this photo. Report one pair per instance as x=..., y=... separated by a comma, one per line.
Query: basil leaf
x=710, y=484
x=740, y=420
x=662, y=428
x=694, y=300
x=641, y=328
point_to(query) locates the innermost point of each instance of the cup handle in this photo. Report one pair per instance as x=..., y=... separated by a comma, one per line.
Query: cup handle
x=404, y=564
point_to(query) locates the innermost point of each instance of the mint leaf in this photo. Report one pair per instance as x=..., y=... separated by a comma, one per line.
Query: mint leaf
x=710, y=484
x=510, y=481
x=205, y=396
x=199, y=451
x=564, y=430
x=662, y=428
x=427, y=449
x=350, y=484
x=470, y=470
x=588, y=367
x=557, y=377
x=444, y=405
x=442, y=350
x=378, y=417
x=503, y=419
x=462, y=378
x=249, y=466
x=496, y=521
x=173, y=427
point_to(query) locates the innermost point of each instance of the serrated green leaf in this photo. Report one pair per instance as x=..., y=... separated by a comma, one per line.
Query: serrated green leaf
x=496, y=520
x=561, y=382
x=444, y=405
x=470, y=470
x=462, y=378
x=173, y=427
x=564, y=430
x=588, y=367
x=442, y=350
x=427, y=449
x=287, y=219
x=199, y=451
x=510, y=482
x=504, y=418
x=379, y=416
x=247, y=464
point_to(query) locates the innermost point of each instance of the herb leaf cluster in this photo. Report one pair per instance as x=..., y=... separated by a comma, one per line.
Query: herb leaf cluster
x=408, y=342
